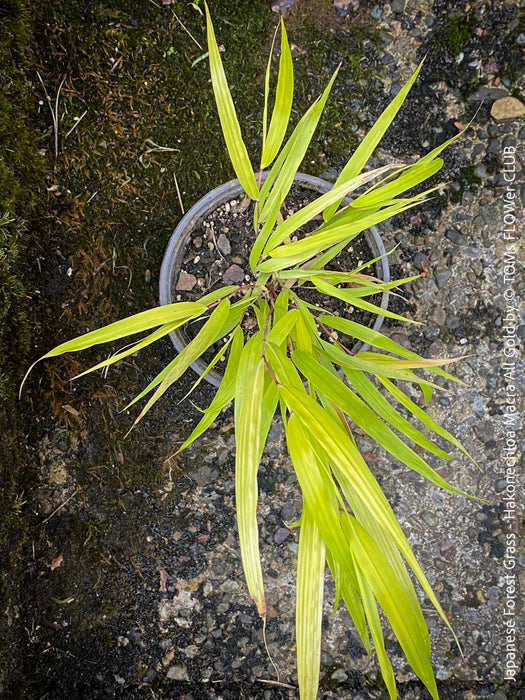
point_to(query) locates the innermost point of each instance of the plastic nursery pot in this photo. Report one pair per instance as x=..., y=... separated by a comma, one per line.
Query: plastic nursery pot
x=176, y=253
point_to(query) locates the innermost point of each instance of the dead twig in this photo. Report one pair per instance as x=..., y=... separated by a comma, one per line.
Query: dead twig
x=188, y=32
x=77, y=122
x=61, y=505
x=155, y=148
x=178, y=194
x=54, y=112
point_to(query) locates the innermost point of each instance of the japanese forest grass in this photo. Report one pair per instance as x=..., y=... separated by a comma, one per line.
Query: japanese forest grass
x=297, y=362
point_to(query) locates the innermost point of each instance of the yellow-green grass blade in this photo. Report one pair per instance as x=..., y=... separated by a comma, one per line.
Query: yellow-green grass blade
x=284, y=170
x=355, y=478
x=282, y=329
x=234, y=317
x=134, y=347
x=344, y=228
x=421, y=415
x=385, y=530
x=282, y=173
x=281, y=306
x=268, y=408
x=143, y=321
x=375, y=399
x=323, y=502
x=262, y=313
x=305, y=214
x=224, y=394
x=376, y=631
x=422, y=363
x=364, y=417
x=283, y=103
x=319, y=491
x=176, y=368
x=302, y=335
x=334, y=440
x=214, y=361
x=248, y=400
x=407, y=623
x=371, y=140
x=377, y=340
x=219, y=294
x=439, y=149
x=412, y=176
x=347, y=296
x=285, y=256
x=282, y=367
x=228, y=117
x=344, y=359
x=348, y=592
x=309, y=605
x=267, y=95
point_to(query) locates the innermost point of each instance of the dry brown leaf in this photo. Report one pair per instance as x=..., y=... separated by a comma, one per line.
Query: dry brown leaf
x=57, y=561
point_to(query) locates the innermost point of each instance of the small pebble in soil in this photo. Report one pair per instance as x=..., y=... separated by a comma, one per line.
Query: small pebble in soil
x=186, y=282
x=507, y=108
x=233, y=275
x=223, y=244
x=281, y=535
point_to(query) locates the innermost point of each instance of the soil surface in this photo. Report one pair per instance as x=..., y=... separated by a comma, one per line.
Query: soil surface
x=121, y=574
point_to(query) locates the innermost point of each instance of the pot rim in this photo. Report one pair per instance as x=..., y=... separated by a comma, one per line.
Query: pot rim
x=211, y=201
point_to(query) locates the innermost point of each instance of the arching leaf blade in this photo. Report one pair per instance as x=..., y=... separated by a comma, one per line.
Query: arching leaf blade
x=228, y=117
x=309, y=605
x=283, y=103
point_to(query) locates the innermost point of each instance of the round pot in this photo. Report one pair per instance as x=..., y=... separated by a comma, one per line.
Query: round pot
x=174, y=255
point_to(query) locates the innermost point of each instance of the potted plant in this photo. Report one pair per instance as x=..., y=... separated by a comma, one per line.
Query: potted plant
x=225, y=209
x=297, y=361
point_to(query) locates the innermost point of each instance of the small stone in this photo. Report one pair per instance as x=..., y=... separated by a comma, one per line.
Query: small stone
x=150, y=675
x=429, y=518
x=447, y=549
x=438, y=316
x=499, y=695
x=339, y=675
x=229, y=586
x=288, y=512
x=177, y=673
x=344, y=7
x=500, y=485
x=223, y=244
x=377, y=12
x=281, y=535
x=421, y=262
x=397, y=5
x=480, y=171
x=455, y=236
x=233, y=275
x=401, y=339
x=186, y=282
x=487, y=93
x=442, y=276
x=507, y=108
x=281, y=5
